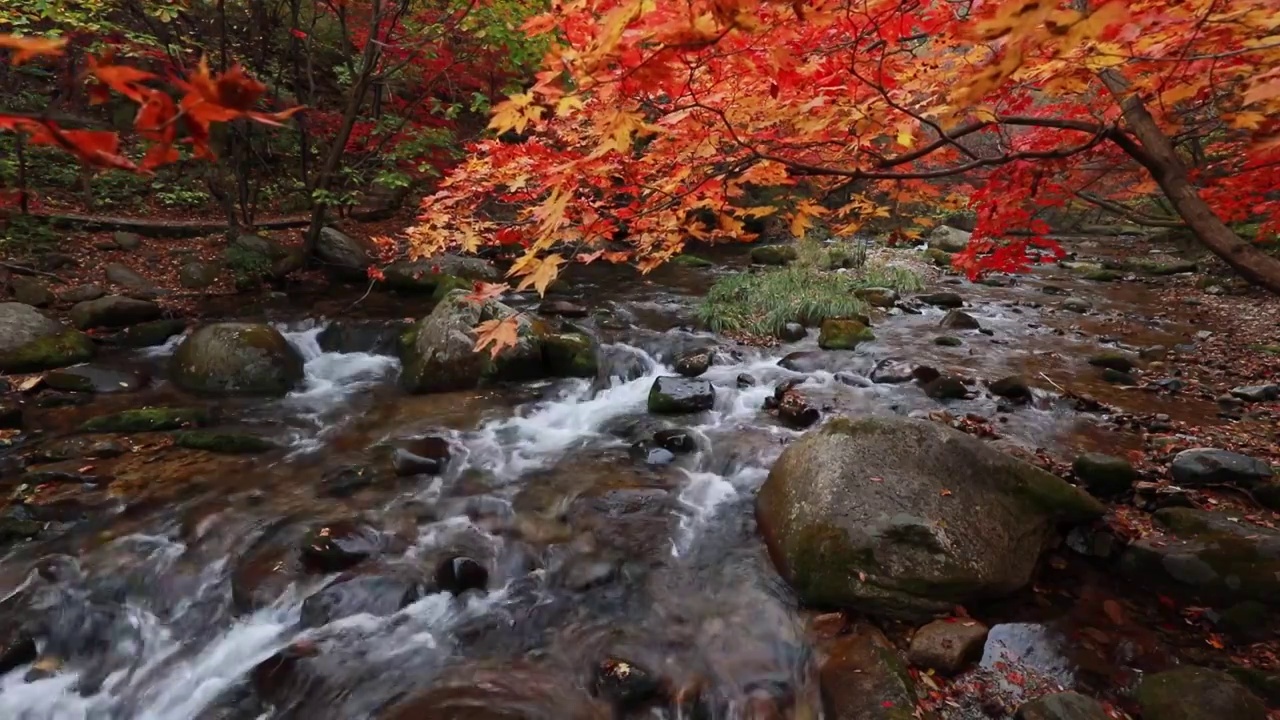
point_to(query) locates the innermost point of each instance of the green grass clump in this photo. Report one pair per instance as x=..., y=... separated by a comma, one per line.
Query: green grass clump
x=762, y=303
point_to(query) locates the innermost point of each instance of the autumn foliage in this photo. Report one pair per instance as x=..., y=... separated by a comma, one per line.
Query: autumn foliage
x=654, y=122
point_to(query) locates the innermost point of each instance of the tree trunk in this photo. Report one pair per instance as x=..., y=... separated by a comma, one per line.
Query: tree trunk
x=1158, y=155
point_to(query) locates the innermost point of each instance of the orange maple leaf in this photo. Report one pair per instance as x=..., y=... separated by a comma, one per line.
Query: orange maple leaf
x=225, y=97
x=497, y=335
x=483, y=291
x=24, y=48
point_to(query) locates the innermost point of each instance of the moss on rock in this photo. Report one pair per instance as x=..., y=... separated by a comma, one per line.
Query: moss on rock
x=843, y=334
x=569, y=355
x=69, y=347
x=149, y=419
x=223, y=442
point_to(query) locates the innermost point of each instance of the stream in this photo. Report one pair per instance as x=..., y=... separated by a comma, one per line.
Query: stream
x=568, y=540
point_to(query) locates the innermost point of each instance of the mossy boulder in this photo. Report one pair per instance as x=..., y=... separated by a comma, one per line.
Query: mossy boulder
x=236, y=358
x=1104, y=474
x=569, y=355
x=949, y=239
x=197, y=275
x=1196, y=693
x=692, y=261
x=230, y=443
x=31, y=341
x=774, y=255
x=906, y=518
x=149, y=419
x=938, y=258
x=843, y=334
x=1102, y=275
x=1216, y=557
x=424, y=276
x=881, y=297
x=446, y=284
x=1113, y=360
x=438, y=353
x=345, y=256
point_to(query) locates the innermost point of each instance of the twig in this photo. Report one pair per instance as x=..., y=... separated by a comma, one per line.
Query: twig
x=1061, y=389
x=24, y=270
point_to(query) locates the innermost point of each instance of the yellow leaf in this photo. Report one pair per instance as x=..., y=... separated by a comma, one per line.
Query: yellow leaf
x=905, y=138
x=541, y=274
x=497, y=335
x=568, y=104
x=1248, y=120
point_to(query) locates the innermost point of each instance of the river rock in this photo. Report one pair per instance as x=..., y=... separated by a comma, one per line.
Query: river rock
x=1198, y=467
x=947, y=520
x=30, y=341
x=949, y=239
x=947, y=341
x=1012, y=387
x=774, y=255
x=148, y=419
x=892, y=372
x=1063, y=706
x=863, y=678
x=1196, y=693
x=344, y=255
x=676, y=440
x=1257, y=393
x=942, y=299
x=938, y=258
x=1113, y=360
x=947, y=645
x=843, y=334
x=946, y=387
x=197, y=275
x=337, y=546
x=439, y=355
x=375, y=337
x=132, y=280
x=880, y=297
x=805, y=361
x=694, y=363
x=457, y=575
x=1076, y=305
x=228, y=443
x=1104, y=474
x=377, y=595
x=1216, y=556
x=94, y=379
x=792, y=332
x=562, y=308
x=423, y=276
x=31, y=291
x=148, y=334
x=82, y=293
x=570, y=355
x=959, y=320
x=113, y=311
x=11, y=417
x=74, y=448
x=674, y=395
x=235, y=358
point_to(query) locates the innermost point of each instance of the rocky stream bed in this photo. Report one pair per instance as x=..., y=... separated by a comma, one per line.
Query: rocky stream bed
x=288, y=515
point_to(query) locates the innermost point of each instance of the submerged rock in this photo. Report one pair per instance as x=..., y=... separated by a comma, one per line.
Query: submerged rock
x=946, y=387
x=236, y=358
x=148, y=334
x=843, y=334
x=1195, y=693
x=675, y=395
x=1063, y=706
x=30, y=341
x=942, y=299
x=230, y=443
x=959, y=320
x=377, y=595
x=863, y=678
x=147, y=420
x=376, y=337
x=90, y=378
x=907, y=518
x=1012, y=387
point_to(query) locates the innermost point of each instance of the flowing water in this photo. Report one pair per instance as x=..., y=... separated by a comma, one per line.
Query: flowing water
x=176, y=591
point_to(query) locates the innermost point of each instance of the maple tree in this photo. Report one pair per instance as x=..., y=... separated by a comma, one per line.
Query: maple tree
x=654, y=122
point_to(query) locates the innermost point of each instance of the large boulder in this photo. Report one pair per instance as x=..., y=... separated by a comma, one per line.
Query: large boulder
x=344, y=255
x=113, y=311
x=906, y=518
x=439, y=355
x=235, y=358
x=949, y=239
x=423, y=276
x=1195, y=693
x=1213, y=556
x=30, y=341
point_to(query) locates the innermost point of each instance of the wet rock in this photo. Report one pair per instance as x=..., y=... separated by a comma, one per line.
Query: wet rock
x=938, y=258
x=93, y=379
x=793, y=407
x=337, y=546
x=692, y=261
x=113, y=311
x=1103, y=275
x=148, y=334
x=1257, y=393
x=862, y=678
x=73, y=448
x=30, y=341
x=406, y=463
x=695, y=363
x=376, y=337
x=344, y=255
x=1215, y=556
x=942, y=299
x=197, y=275
x=377, y=595
x=677, y=440
x=17, y=646
x=880, y=297
x=1153, y=352
x=1012, y=387
x=843, y=334
x=149, y=419
x=562, y=308
x=236, y=358
x=650, y=455
x=10, y=413
x=951, y=519
x=1246, y=622
x=948, y=239
x=570, y=355
x=792, y=332
x=424, y=276
x=959, y=320
x=439, y=355
x=82, y=293
x=746, y=380
x=506, y=692
x=1116, y=377
x=947, y=341
x=58, y=477
x=1195, y=693
x=674, y=395
x=1198, y=467
x=773, y=255
x=12, y=530
x=347, y=480
x=1076, y=305
x=947, y=645
x=229, y=443
x=457, y=575
x=946, y=387
x=625, y=685
x=1112, y=360
x=1063, y=706
x=805, y=361
x=1100, y=543
x=1053, y=290
x=852, y=380
x=131, y=280
x=30, y=291
x=891, y=372
x=1104, y=474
